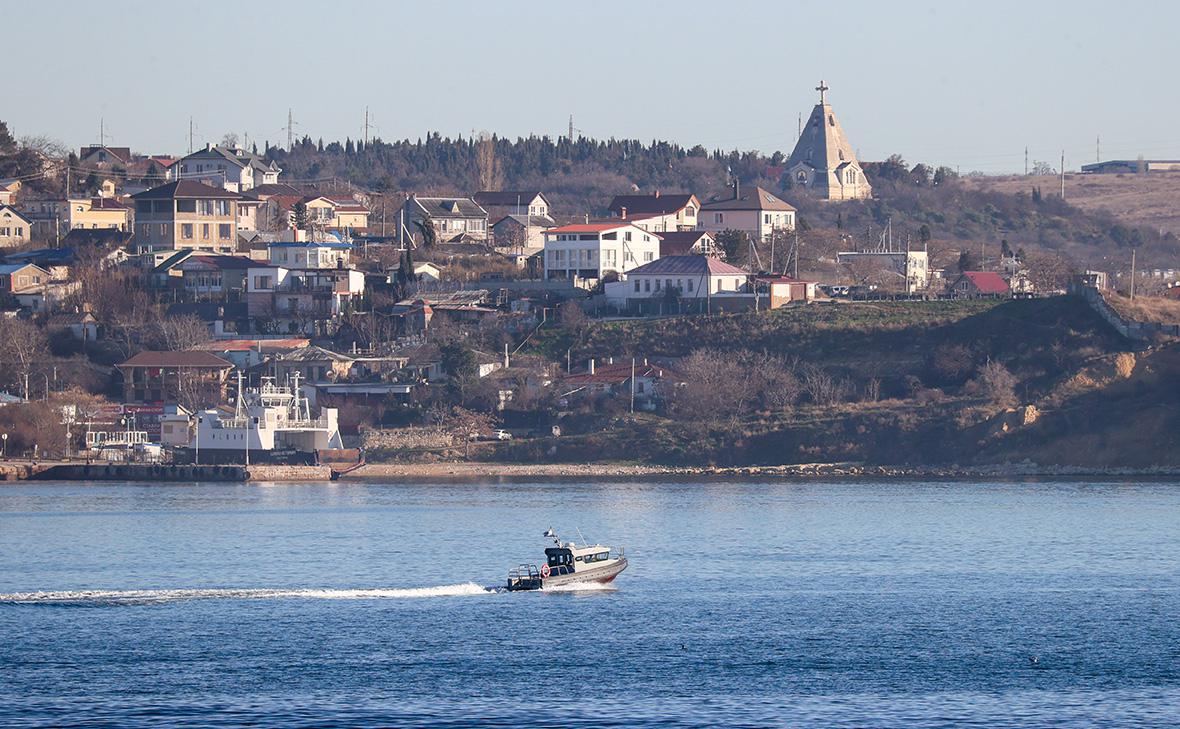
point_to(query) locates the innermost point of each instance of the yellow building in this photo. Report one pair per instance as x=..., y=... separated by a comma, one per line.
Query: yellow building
x=336, y=213
x=187, y=214
x=15, y=229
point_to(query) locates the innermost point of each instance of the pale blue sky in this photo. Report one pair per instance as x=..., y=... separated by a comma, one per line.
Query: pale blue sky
x=967, y=84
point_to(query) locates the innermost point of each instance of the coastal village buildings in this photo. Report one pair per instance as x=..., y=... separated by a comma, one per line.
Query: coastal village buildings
x=680, y=277
x=903, y=269
x=753, y=211
x=454, y=219
x=499, y=203
x=657, y=212
x=234, y=169
x=336, y=214
x=159, y=377
x=525, y=233
x=9, y=187
x=978, y=285
x=15, y=228
x=689, y=242
x=187, y=214
x=586, y=253
x=823, y=160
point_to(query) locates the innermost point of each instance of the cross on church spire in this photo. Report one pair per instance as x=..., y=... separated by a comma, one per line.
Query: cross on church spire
x=821, y=89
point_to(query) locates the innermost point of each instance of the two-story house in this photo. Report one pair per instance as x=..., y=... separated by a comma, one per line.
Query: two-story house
x=657, y=212
x=499, y=203
x=232, y=168
x=334, y=213
x=753, y=211
x=588, y=252
x=15, y=228
x=187, y=214
x=454, y=219
x=310, y=254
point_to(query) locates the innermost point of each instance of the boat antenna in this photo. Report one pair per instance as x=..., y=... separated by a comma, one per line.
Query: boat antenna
x=584, y=542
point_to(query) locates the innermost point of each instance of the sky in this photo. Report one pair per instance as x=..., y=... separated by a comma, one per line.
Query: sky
x=969, y=85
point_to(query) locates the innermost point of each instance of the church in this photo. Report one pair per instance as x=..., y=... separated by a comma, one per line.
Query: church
x=823, y=159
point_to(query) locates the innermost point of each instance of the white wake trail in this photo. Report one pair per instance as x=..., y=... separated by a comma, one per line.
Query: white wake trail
x=147, y=597
x=582, y=587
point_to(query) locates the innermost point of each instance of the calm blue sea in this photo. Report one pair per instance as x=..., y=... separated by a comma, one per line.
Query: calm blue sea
x=876, y=604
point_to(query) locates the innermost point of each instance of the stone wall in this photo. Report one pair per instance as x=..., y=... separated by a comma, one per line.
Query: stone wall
x=289, y=473
x=1135, y=330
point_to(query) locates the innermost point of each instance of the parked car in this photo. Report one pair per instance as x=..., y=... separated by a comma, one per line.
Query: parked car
x=501, y=435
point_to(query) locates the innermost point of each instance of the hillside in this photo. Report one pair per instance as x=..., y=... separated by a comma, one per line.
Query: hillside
x=1078, y=398
x=1151, y=200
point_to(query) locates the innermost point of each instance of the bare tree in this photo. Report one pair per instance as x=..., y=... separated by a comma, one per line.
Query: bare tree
x=22, y=345
x=821, y=386
x=995, y=383
x=181, y=332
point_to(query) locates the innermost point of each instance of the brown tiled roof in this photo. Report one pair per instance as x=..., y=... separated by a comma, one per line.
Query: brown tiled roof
x=191, y=358
x=679, y=242
x=649, y=204
x=687, y=265
x=507, y=198
x=185, y=188
x=753, y=198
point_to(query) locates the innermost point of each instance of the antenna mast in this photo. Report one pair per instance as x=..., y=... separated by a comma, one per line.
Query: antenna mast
x=366, y=126
x=290, y=130
x=571, y=137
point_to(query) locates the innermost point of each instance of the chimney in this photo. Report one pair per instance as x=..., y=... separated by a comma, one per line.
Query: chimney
x=623, y=214
x=657, y=193
x=610, y=360
x=645, y=361
x=590, y=366
x=208, y=146
x=737, y=189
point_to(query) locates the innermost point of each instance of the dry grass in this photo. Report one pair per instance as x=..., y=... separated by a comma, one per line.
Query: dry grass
x=1148, y=200
x=1145, y=308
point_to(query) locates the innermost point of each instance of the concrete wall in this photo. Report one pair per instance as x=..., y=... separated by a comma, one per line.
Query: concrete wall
x=1135, y=330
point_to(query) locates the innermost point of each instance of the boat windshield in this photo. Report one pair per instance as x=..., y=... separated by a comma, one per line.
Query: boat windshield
x=558, y=557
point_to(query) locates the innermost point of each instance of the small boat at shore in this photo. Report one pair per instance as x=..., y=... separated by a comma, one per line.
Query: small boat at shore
x=568, y=563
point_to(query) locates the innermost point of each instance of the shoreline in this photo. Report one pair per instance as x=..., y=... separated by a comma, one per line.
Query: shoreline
x=476, y=469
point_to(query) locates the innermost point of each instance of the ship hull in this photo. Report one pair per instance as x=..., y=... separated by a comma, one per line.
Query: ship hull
x=600, y=575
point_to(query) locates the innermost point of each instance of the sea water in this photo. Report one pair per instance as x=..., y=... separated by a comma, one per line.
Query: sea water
x=746, y=604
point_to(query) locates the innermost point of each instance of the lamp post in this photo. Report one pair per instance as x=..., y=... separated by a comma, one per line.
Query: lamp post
x=4, y=446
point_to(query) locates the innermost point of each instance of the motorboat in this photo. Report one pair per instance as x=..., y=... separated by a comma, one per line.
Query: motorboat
x=569, y=563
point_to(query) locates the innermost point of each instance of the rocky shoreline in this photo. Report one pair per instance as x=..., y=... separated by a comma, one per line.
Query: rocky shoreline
x=470, y=469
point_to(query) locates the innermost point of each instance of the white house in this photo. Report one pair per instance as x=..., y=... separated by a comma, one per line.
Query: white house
x=657, y=213
x=687, y=277
x=754, y=211
x=234, y=169
x=590, y=251
x=310, y=254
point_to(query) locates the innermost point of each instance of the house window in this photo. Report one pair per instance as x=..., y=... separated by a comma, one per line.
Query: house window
x=204, y=231
x=186, y=231
x=223, y=207
x=647, y=285
x=205, y=207
x=636, y=285
x=648, y=257
x=719, y=218
x=766, y=218
x=657, y=284
x=627, y=235
x=223, y=231
x=690, y=285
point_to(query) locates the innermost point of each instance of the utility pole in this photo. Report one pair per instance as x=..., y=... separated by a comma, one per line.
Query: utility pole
x=796, y=277
x=290, y=130
x=190, y=136
x=1132, y=275
x=366, y=126
x=1063, y=174
x=1098, y=148
x=1026, y=161
x=102, y=133
x=632, y=385
x=571, y=137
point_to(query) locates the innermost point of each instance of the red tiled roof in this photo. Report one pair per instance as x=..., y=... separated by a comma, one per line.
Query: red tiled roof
x=649, y=204
x=191, y=358
x=987, y=282
x=246, y=345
